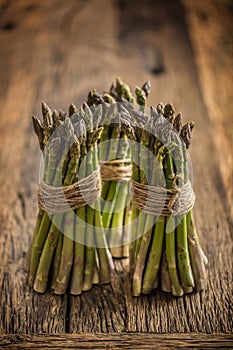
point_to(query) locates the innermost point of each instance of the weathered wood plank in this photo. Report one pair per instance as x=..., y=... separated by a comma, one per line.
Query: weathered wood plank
x=122, y=341
x=211, y=31
x=59, y=50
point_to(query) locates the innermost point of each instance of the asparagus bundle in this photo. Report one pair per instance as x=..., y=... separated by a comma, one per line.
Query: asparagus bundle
x=69, y=248
x=165, y=248
x=63, y=253
x=116, y=208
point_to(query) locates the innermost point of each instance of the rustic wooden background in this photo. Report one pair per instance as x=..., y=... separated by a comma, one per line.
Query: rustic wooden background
x=56, y=51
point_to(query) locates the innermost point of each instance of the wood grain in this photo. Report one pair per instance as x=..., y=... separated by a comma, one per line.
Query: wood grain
x=56, y=51
x=115, y=341
x=213, y=53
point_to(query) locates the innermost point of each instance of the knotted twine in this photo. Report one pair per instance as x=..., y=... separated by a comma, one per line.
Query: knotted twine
x=116, y=170
x=58, y=200
x=159, y=201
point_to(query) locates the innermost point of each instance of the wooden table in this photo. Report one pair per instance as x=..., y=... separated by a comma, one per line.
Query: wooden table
x=58, y=50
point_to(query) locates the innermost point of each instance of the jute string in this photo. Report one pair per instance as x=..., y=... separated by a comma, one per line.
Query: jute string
x=58, y=200
x=160, y=201
x=116, y=170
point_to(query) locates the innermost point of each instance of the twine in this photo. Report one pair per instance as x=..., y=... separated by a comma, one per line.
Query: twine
x=116, y=170
x=160, y=201
x=58, y=200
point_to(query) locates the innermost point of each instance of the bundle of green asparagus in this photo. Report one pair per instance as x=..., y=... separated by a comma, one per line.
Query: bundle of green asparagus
x=69, y=249
x=165, y=249
x=115, y=158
